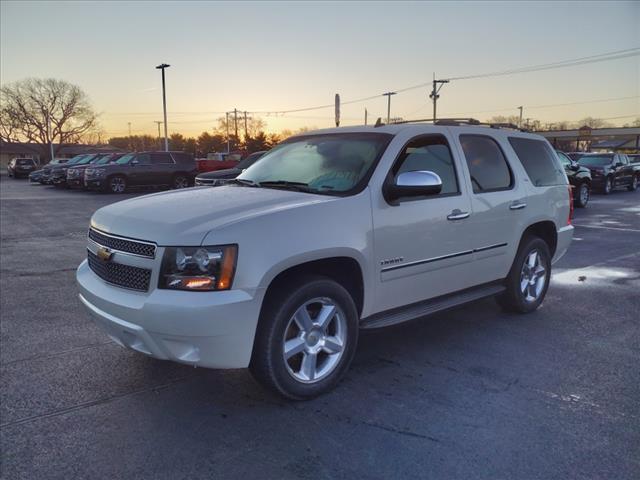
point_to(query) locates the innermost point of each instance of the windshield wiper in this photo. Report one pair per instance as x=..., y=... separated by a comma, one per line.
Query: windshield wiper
x=297, y=186
x=244, y=182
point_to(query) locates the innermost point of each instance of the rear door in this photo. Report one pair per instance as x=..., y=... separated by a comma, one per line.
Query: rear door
x=163, y=168
x=498, y=201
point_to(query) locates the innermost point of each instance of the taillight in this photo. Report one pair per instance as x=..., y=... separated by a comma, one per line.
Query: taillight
x=570, y=189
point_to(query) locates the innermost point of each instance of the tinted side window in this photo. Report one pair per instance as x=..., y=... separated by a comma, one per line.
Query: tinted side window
x=538, y=160
x=432, y=154
x=487, y=166
x=182, y=157
x=161, y=158
x=143, y=159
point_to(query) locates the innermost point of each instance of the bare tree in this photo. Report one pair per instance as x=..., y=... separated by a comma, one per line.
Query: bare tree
x=45, y=111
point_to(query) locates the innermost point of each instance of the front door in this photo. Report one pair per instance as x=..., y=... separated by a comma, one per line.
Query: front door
x=423, y=244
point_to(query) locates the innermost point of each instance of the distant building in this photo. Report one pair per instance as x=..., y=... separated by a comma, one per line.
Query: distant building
x=10, y=150
x=622, y=139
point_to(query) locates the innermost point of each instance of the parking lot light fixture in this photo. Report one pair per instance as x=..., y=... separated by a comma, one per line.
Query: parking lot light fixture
x=164, y=106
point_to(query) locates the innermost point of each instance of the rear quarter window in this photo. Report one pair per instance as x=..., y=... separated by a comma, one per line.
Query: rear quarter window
x=539, y=161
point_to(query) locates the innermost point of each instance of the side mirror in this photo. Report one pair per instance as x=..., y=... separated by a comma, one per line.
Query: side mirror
x=574, y=165
x=619, y=164
x=417, y=183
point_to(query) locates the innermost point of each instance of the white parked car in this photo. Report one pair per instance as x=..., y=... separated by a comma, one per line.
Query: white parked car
x=329, y=233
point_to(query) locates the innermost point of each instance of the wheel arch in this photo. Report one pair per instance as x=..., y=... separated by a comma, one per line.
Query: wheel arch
x=343, y=269
x=544, y=229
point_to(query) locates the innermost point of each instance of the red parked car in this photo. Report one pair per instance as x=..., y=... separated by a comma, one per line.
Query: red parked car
x=218, y=161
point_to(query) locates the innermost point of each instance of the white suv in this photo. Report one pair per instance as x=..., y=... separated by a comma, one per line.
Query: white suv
x=330, y=232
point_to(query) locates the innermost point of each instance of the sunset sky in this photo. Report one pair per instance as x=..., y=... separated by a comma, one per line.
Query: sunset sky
x=268, y=56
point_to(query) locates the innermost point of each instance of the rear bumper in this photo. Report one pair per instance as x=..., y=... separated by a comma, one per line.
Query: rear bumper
x=214, y=330
x=565, y=235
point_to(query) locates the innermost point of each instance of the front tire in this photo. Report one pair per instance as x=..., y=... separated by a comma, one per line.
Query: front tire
x=634, y=184
x=528, y=279
x=306, y=337
x=582, y=196
x=117, y=184
x=608, y=186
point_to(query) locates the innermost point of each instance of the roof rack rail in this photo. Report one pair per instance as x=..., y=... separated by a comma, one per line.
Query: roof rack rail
x=457, y=122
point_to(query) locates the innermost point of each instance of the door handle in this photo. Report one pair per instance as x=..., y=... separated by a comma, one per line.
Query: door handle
x=517, y=206
x=457, y=215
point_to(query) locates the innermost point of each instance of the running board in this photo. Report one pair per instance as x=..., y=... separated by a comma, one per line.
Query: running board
x=428, y=307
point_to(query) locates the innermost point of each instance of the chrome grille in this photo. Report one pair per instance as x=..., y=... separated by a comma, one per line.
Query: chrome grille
x=127, y=276
x=134, y=247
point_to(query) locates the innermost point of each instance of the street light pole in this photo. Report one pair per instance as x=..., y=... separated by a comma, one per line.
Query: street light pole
x=520, y=122
x=164, y=106
x=388, y=95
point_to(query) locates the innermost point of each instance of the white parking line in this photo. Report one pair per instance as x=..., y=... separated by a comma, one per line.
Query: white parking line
x=606, y=228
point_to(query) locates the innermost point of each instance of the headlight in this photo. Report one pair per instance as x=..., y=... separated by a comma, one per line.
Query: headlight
x=71, y=173
x=198, y=268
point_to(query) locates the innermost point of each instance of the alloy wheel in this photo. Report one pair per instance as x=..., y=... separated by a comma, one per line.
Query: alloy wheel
x=314, y=340
x=117, y=185
x=180, y=182
x=533, y=277
x=584, y=194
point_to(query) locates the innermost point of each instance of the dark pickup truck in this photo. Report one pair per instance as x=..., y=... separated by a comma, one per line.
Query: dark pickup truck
x=579, y=178
x=143, y=169
x=611, y=170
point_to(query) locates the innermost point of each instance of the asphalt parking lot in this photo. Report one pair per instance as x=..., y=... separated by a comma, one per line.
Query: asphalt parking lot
x=471, y=393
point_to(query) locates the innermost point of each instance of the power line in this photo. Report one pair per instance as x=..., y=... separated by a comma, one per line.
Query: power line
x=615, y=55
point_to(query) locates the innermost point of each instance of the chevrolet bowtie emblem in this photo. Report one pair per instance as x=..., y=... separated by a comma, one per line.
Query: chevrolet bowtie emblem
x=104, y=254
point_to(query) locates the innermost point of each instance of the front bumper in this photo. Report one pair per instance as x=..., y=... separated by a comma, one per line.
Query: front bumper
x=208, y=329
x=94, y=183
x=75, y=182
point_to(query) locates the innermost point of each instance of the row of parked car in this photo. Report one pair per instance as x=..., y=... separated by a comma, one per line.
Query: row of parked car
x=600, y=172
x=117, y=172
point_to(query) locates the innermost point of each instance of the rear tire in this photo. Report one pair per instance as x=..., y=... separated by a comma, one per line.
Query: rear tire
x=306, y=337
x=117, y=184
x=528, y=279
x=634, y=183
x=180, y=181
x=582, y=195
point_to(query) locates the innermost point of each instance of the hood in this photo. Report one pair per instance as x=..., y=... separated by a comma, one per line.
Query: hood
x=184, y=217
x=226, y=173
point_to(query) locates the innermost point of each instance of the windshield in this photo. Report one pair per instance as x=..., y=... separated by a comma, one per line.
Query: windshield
x=76, y=159
x=564, y=160
x=103, y=160
x=250, y=160
x=86, y=160
x=595, y=161
x=126, y=159
x=325, y=163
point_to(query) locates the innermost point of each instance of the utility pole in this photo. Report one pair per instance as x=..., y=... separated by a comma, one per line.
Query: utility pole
x=49, y=135
x=388, y=95
x=246, y=130
x=235, y=121
x=227, y=124
x=129, y=123
x=520, y=121
x=365, y=116
x=164, y=106
x=434, y=93
x=159, y=123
